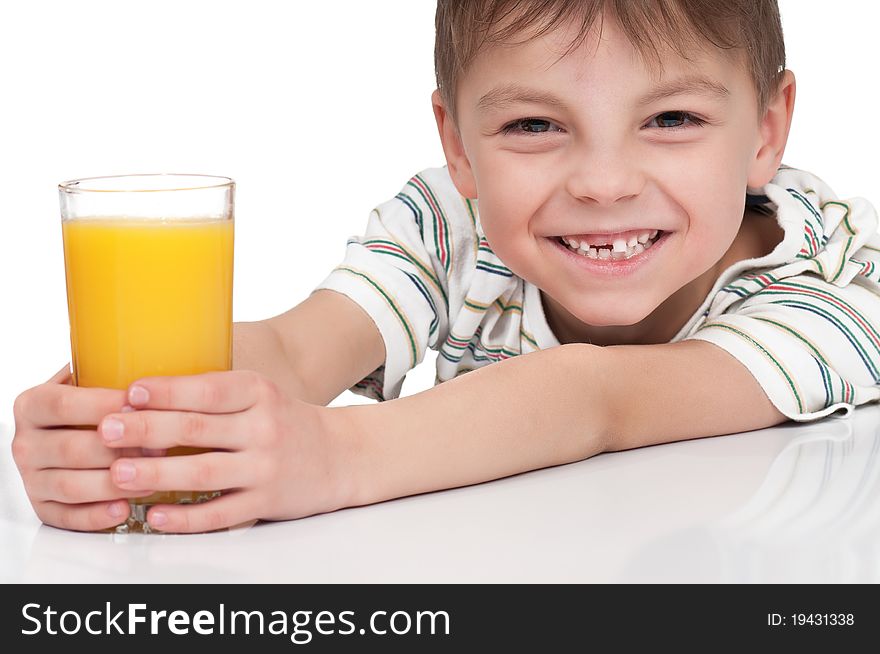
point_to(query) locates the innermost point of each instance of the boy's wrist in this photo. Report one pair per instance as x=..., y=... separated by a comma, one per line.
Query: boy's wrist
x=373, y=462
x=344, y=428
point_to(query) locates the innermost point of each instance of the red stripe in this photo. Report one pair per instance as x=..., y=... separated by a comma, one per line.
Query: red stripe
x=439, y=216
x=814, y=244
x=370, y=383
x=834, y=300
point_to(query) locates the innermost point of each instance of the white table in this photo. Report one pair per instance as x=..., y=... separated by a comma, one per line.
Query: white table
x=795, y=503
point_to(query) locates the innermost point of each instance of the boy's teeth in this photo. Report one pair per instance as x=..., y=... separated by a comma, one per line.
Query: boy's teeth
x=620, y=248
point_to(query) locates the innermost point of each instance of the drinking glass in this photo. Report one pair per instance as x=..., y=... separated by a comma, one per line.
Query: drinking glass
x=148, y=262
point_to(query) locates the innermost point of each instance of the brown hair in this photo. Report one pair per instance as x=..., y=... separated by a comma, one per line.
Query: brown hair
x=751, y=29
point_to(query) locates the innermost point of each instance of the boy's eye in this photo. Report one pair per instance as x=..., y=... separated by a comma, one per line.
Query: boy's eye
x=529, y=126
x=675, y=120
x=666, y=121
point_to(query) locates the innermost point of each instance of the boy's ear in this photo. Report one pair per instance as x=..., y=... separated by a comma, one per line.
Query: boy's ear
x=774, y=127
x=456, y=159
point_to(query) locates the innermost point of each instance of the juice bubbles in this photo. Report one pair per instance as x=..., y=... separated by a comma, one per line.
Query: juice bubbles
x=148, y=297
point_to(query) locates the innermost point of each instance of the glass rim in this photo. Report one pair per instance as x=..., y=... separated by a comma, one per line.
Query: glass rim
x=216, y=181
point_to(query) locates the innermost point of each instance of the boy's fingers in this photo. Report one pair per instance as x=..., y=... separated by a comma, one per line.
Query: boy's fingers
x=197, y=472
x=59, y=405
x=211, y=392
x=77, y=487
x=79, y=449
x=228, y=510
x=166, y=429
x=83, y=517
x=62, y=376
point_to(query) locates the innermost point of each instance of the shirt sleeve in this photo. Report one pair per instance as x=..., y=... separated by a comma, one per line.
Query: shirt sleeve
x=808, y=331
x=397, y=271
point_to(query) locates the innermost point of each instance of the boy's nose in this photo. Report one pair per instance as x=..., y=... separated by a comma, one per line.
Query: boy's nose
x=605, y=179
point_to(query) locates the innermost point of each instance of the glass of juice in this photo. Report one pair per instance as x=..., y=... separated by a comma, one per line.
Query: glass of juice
x=148, y=261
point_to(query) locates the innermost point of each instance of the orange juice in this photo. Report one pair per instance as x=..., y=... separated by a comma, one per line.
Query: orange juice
x=148, y=297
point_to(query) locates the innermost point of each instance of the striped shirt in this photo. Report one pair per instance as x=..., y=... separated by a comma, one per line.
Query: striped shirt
x=804, y=319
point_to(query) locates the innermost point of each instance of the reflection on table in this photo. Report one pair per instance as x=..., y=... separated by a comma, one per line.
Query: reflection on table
x=795, y=503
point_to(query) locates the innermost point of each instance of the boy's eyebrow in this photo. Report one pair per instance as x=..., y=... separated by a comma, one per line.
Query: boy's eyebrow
x=693, y=84
x=502, y=96
x=508, y=94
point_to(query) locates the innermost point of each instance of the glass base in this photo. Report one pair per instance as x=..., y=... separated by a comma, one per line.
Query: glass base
x=137, y=517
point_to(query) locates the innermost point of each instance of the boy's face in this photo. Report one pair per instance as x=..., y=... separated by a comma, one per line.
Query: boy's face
x=585, y=149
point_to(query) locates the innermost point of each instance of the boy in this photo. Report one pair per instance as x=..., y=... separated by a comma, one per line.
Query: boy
x=613, y=229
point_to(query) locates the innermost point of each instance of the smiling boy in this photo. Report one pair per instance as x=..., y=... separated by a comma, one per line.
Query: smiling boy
x=614, y=254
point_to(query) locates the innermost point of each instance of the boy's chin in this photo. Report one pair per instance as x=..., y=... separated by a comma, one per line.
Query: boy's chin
x=598, y=312
x=610, y=320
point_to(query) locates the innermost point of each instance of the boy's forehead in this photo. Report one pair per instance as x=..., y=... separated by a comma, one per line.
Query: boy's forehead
x=609, y=59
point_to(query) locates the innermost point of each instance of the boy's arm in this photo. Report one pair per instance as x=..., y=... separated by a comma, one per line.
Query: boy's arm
x=549, y=408
x=314, y=351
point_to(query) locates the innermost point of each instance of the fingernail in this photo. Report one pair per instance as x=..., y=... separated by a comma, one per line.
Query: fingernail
x=138, y=395
x=115, y=510
x=157, y=518
x=125, y=472
x=112, y=429
x=127, y=409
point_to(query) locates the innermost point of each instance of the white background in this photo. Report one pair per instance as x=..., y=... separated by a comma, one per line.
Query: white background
x=319, y=111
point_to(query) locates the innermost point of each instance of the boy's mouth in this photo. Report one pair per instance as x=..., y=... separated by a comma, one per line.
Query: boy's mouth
x=611, y=246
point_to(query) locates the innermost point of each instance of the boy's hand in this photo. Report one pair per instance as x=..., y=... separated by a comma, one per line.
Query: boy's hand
x=273, y=456
x=63, y=462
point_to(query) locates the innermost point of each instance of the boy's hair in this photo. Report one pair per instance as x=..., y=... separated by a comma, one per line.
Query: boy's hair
x=751, y=29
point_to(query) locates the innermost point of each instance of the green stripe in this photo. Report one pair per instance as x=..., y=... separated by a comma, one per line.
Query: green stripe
x=872, y=337
x=796, y=334
x=849, y=228
x=509, y=307
x=420, y=219
x=529, y=338
x=390, y=254
x=441, y=217
x=470, y=208
x=428, y=272
x=496, y=349
x=845, y=218
x=393, y=305
x=767, y=353
x=476, y=306
x=494, y=266
x=433, y=223
x=809, y=207
x=753, y=279
x=488, y=349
